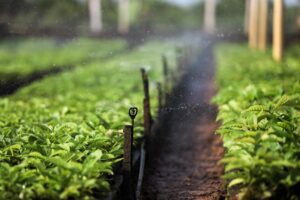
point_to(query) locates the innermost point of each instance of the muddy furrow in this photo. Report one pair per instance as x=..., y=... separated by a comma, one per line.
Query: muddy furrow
x=183, y=161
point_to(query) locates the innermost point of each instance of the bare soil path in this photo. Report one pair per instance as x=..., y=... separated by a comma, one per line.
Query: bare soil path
x=183, y=161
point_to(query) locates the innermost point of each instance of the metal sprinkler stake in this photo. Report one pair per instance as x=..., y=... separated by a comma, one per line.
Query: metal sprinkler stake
x=127, y=187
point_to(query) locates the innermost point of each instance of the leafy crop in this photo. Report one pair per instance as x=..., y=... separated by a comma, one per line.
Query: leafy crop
x=259, y=106
x=20, y=58
x=61, y=137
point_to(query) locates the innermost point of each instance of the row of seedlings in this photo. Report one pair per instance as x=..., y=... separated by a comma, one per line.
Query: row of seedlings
x=25, y=64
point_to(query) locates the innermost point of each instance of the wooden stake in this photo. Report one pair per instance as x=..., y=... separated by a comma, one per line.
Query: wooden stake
x=160, y=99
x=253, y=28
x=127, y=187
x=278, y=30
x=263, y=24
x=145, y=83
x=147, y=113
x=165, y=71
x=166, y=75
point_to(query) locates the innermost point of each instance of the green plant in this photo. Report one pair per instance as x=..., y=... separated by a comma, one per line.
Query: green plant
x=61, y=137
x=20, y=58
x=259, y=104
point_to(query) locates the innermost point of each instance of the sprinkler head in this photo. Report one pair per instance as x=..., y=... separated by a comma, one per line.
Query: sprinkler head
x=133, y=111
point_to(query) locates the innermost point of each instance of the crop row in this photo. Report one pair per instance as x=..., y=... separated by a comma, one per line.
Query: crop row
x=23, y=57
x=259, y=107
x=60, y=137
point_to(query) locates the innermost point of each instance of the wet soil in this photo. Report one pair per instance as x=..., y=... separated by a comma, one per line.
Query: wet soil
x=183, y=158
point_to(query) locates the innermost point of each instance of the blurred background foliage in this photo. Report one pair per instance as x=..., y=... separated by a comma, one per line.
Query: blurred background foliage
x=72, y=16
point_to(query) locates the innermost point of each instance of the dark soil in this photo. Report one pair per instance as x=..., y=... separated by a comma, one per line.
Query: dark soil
x=184, y=154
x=16, y=81
x=10, y=86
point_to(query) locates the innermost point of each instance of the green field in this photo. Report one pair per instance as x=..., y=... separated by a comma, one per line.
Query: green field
x=259, y=107
x=62, y=136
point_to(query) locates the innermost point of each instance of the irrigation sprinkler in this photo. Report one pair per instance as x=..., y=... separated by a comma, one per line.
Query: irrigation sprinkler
x=133, y=111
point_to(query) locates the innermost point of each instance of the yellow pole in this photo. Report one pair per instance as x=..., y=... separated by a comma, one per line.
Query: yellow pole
x=263, y=24
x=278, y=30
x=253, y=28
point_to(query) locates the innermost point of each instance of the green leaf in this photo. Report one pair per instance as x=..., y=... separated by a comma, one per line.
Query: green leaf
x=235, y=182
x=282, y=101
x=257, y=108
x=36, y=155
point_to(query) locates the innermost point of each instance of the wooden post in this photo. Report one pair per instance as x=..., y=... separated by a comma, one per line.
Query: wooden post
x=263, y=24
x=159, y=95
x=166, y=75
x=147, y=112
x=95, y=12
x=165, y=68
x=247, y=17
x=278, y=30
x=209, y=16
x=127, y=187
x=253, y=24
x=124, y=16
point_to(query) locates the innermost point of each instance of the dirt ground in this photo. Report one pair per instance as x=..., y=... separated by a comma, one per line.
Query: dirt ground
x=183, y=158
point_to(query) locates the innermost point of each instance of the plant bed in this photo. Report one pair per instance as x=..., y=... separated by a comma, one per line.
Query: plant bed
x=26, y=60
x=61, y=137
x=258, y=102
